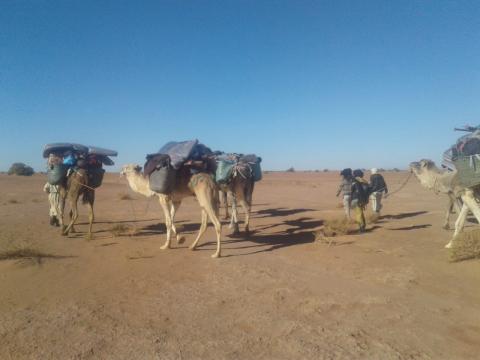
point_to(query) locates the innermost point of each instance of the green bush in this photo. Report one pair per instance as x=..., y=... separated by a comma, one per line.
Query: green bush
x=20, y=169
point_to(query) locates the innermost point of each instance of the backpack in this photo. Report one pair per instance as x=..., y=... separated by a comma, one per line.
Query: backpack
x=363, y=190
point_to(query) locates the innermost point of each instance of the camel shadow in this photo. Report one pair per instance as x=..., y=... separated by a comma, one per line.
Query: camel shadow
x=403, y=215
x=413, y=227
x=278, y=212
x=266, y=243
x=160, y=228
x=117, y=222
x=303, y=223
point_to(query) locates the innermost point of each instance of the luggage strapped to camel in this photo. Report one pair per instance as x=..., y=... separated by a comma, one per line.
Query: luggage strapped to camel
x=161, y=168
x=464, y=157
x=231, y=165
x=90, y=158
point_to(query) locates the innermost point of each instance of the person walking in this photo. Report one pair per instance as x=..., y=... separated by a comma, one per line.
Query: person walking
x=346, y=188
x=360, y=193
x=53, y=192
x=378, y=187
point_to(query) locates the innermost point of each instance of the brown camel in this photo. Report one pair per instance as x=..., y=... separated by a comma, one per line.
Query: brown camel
x=239, y=189
x=76, y=185
x=200, y=185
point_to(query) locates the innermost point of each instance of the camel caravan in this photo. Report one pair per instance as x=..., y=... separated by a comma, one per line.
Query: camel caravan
x=183, y=169
x=178, y=170
x=459, y=180
x=74, y=170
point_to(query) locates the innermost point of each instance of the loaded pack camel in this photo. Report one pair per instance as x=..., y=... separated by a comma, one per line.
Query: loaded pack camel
x=239, y=189
x=431, y=177
x=76, y=185
x=200, y=185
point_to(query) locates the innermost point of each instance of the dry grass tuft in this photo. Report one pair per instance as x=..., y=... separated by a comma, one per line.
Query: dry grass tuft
x=372, y=218
x=13, y=201
x=125, y=196
x=332, y=228
x=466, y=246
x=123, y=230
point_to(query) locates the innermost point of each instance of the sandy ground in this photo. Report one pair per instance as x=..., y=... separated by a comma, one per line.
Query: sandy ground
x=278, y=294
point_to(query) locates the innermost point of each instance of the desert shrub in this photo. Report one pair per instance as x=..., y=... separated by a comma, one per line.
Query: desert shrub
x=334, y=227
x=123, y=230
x=372, y=218
x=466, y=246
x=20, y=169
x=290, y=170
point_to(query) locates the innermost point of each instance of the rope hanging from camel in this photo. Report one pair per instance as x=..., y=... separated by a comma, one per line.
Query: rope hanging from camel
x=401, y=186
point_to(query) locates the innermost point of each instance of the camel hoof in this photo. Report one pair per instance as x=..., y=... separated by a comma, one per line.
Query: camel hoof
x=165, y=247
x=449, y=245
x=191, y=247
x=216, y=255
x=180, y=239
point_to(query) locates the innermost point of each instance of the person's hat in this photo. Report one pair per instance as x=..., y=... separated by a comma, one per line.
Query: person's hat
x=346, y=172
x=374, y=171
x=358, y=173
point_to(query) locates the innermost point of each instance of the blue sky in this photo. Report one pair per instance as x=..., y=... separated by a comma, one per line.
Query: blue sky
x=309, y=84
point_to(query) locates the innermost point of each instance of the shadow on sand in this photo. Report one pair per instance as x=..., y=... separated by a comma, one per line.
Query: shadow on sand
x=403, y=215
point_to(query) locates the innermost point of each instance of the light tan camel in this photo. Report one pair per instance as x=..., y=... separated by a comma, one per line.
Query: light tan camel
x=200, y=185
x=431, y=177
x=76, y=185
x=441, y=183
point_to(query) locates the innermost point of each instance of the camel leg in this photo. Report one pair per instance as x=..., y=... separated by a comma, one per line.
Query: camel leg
x=212, y=214
x=234, y=220
x=224, y=202
x=173, y=211
x=203, y=228
x=91, y=218
x=246, y=208
x=450, y=205
x=459, y=224
x=72, y=230
x=469, y=199
x=74, y=207
x=61, y=208
x=168, y=222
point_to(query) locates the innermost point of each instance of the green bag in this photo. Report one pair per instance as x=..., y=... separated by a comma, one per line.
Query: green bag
x=468, y=168
x=57, y=173
x=224, y=171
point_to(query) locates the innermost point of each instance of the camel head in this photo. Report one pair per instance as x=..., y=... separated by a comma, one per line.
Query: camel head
x=422, y=167
x=431, y=177
x=131, y=169
x=134, y=176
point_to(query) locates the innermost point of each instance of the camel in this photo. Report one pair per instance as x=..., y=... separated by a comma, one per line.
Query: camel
x=239, y=189
x=200, y=185
x=76, y=185
x=439, y=187
x=431, y=177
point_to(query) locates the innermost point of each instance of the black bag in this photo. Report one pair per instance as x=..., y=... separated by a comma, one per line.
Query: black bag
x=95, y=176
x=363, y=192
x=162, y=180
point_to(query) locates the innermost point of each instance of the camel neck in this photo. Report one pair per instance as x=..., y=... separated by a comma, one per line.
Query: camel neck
x=139, y=184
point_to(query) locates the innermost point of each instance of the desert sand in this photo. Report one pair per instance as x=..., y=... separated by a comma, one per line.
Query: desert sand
x=279, y=293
